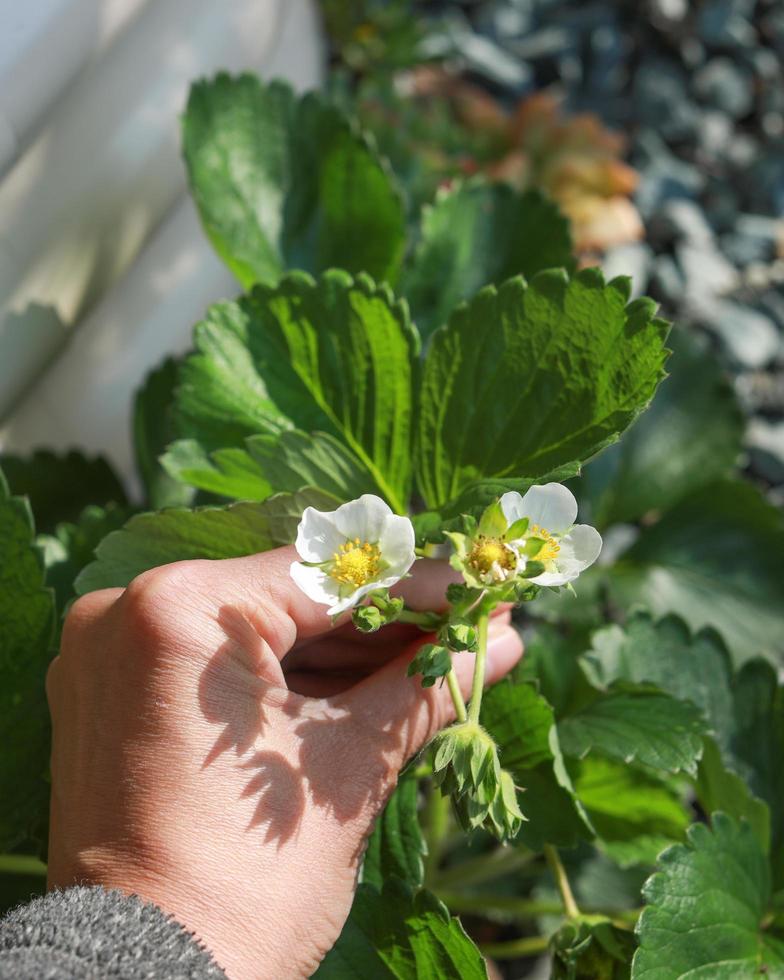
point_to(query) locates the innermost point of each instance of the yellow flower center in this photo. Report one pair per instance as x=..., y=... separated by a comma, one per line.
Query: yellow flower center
x=486, y=552
x=356, y=564
x=549, y=549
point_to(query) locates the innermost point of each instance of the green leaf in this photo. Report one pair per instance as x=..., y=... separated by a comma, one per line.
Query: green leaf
x=664, y=652
x=476, y=234
x=281, y=182
x=229, y=472
x=72, y=547
x=295, y=459
x=756, y=747
x=398, y=934
x=743, y=767
x=705, y=909
x=690, y=436
x=522, y=724
x=525, y=379
x=591, y=948
x=432, y=662
x=635, y=815
x=637, y=725
x=272, y=464
x=475, y=498
x=719, y=788
x=26, y=629
x=221, y=397
x=150, y=540
x=396, y=846
x=337, y=355
x=552, y=662
x=153, y=430
x=283, y=511
x=716, y=559
x=59, y=487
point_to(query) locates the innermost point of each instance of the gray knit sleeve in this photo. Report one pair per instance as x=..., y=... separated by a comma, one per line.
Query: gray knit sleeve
x=93, y=934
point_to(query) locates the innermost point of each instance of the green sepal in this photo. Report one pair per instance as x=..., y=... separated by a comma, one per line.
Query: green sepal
x=591, y=946
x=517, y=529
x=367, y=619
x=532, y=569
x=492, y=523
x=458, y=636
x=533, y=546
x=381, y=610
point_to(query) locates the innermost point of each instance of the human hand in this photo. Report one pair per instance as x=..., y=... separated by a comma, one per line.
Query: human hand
x=220, y=750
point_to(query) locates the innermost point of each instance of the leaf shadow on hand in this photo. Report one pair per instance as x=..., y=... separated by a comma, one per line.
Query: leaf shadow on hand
x=301, y=750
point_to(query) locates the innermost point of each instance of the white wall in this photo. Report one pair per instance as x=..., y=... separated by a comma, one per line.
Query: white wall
x=103, y=267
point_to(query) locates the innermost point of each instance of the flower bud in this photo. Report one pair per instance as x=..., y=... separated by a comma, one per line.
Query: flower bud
x=458, y=636
x=367, y=619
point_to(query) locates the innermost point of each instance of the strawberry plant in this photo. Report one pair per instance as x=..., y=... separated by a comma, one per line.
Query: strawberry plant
x=386, y=391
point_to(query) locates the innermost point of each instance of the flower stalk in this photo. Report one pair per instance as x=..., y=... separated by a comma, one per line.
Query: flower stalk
x=562, y=881
x=457, y=696
x=478, y=683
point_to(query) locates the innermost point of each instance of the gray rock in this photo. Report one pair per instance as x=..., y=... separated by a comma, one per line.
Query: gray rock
x=765, y=440
x=687, y=222
x=667, y=280
x=549, y=42
x=663, y=175
x=669, y=11
x=635, y=260
x=661, y=98
x=753, y=239
x=772, y=303
x=750, y=338
x=722, y=23
x=707, y=275
x=746, y=249
x=725, y=85
x=714, y=133
x=742, y=150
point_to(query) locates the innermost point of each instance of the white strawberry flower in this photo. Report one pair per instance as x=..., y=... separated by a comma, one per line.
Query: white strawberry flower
x=551, y=511
x=348, y=552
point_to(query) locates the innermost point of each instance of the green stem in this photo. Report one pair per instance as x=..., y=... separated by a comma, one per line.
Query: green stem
x=529, y=946
x=21, y=864
x=506, y=908
x=425, y=620
x=457, y=695
x=478, y=683
x=562, y=881
x=484, y=867
x=435, y=820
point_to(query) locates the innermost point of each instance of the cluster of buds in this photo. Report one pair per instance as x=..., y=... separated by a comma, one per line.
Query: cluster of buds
x=466, y=767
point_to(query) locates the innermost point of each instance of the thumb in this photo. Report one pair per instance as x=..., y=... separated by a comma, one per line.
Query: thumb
x=397, y=703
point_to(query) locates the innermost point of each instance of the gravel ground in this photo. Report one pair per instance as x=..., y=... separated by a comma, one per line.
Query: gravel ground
x=698, y=89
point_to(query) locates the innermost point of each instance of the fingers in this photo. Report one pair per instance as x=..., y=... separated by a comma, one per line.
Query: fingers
x=391, y=701
x=262, y=589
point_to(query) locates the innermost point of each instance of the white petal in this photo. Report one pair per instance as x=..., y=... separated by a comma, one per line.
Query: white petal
x=511, y=505
x=363, y=518
x=315, y=583
x=552, y=578
x=318, y=537
x=551, y=506
x=586, y=543
x=397, y=543
x=579, y=549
